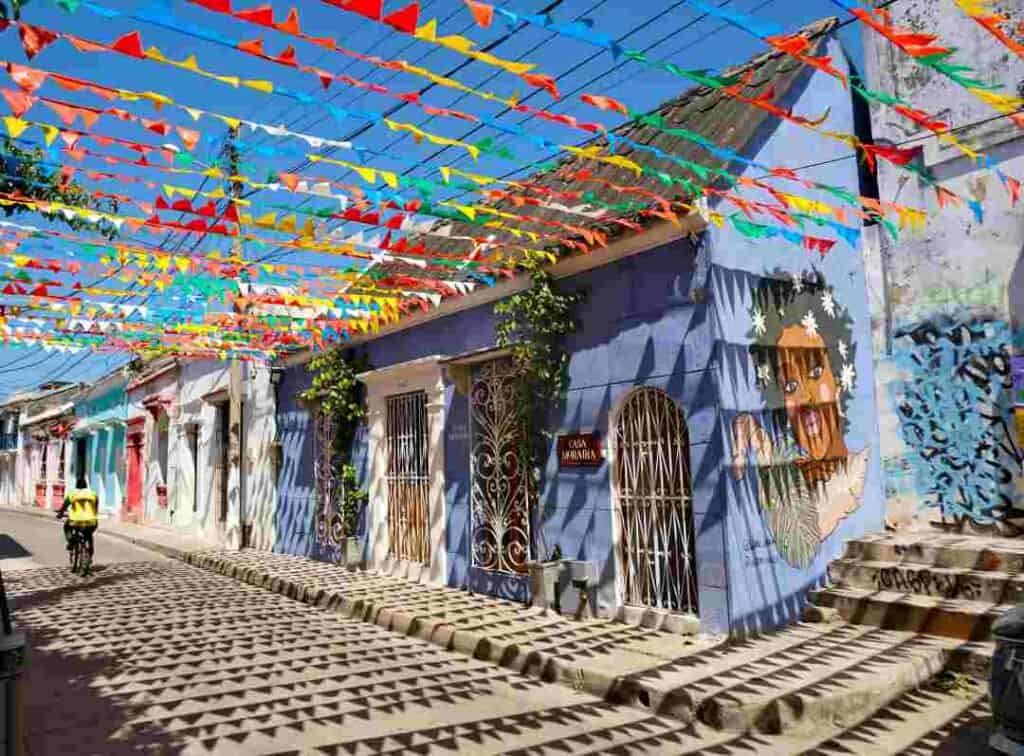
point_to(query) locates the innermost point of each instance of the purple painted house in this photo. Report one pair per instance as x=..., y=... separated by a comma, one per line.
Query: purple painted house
x=725, y=370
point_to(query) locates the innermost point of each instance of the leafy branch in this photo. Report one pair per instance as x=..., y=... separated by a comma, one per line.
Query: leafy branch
x=533, y=325
x=24, y=174
x=13, y=11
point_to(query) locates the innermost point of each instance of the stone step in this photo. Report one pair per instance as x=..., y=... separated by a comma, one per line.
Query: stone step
x=944, y=582
x=946, y=715
x=892, y=610
x=792, y=681
x=941, y=550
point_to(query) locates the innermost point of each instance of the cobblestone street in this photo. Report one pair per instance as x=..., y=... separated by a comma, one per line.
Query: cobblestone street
x=154, y=655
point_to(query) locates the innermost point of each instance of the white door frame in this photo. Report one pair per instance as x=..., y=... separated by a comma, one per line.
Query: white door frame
x=427, y=375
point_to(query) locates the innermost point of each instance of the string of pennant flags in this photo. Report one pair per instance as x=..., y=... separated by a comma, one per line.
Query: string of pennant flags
x=418, y=239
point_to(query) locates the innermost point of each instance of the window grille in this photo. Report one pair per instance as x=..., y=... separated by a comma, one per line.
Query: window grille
x=408, y=476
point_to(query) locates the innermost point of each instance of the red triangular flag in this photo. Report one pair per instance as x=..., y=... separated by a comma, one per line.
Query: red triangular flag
x=28, y=79
x=252, y=46
x=34, y=39
x=483, y=13
x=129, y=44
x=542, y=81
x=262, y=15
x=157, y=127
x=287, y=57
x=208, y=210
x=291, y=24
x=217, y=6
x=161, y=203
x=189, y=137
x=19, y=102
x=369, y=8
x=231, y=213
x=406, y=19
x=66, y=113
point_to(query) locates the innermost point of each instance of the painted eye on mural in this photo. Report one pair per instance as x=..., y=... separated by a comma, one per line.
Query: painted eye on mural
x=816, y=372
x=789, y=387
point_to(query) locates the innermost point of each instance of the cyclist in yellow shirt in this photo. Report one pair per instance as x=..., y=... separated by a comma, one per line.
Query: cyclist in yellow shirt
x=84, y=505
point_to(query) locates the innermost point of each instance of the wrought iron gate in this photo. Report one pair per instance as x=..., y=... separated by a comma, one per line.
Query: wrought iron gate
x=500, y=488
x=408, y=476
x=653, y=503
x=328, y=523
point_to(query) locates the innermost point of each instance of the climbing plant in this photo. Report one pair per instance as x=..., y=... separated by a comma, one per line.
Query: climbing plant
x=533, y=325
x=337, y=390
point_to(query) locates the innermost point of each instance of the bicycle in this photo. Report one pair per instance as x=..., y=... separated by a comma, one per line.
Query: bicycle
x=79, y=552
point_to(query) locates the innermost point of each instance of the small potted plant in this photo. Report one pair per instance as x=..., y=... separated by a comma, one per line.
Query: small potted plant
x=544, y=577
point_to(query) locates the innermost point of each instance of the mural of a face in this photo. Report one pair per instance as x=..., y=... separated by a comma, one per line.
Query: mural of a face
x=807, y=480
x=810, y=393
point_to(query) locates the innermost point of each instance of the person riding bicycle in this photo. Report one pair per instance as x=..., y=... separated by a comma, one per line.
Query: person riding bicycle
x=84, y=505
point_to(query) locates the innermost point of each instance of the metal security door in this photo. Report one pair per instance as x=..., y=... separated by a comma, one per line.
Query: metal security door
x=653, y=503
x=501, y=489
x=408, y=477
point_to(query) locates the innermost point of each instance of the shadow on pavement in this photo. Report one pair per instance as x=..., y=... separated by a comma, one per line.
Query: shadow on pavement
x=11, y=549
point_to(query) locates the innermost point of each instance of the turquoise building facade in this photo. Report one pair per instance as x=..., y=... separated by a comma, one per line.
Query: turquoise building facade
x=98, y=440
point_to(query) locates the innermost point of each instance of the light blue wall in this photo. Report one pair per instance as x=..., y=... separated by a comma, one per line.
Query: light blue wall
x=105, y=451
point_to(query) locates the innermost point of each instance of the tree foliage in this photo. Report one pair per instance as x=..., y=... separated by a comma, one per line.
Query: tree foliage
x=24, y=173
x=10, y=10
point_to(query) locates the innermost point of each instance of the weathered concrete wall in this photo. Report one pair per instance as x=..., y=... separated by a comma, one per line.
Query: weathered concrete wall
x=948, y=299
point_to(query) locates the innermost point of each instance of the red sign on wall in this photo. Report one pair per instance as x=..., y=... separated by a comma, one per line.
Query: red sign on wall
x=580, y=450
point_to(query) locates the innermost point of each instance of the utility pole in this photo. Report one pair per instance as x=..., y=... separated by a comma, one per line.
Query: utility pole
x=236, y=450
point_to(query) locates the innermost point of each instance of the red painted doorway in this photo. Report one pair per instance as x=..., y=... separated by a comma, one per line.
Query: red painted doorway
x=133, y=494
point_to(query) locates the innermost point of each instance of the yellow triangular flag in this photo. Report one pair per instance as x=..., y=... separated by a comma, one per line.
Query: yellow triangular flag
x=427, y=32
x=260, y=85
x=15, y=126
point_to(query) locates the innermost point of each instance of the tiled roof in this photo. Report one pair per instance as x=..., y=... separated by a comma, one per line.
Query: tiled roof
x=723, y=120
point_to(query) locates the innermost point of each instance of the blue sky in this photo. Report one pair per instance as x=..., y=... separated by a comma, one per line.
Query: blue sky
x=665, y=30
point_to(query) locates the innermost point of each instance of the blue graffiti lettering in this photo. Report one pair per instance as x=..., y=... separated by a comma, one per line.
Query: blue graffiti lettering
x=955, y=417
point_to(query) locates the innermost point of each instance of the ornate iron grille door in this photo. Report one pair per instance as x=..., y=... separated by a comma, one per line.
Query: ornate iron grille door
x=652, y=487
x=329, y=527
x=408, y=476
x=500, y=489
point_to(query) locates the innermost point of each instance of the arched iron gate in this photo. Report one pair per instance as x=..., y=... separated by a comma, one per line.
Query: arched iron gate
x=653, y=503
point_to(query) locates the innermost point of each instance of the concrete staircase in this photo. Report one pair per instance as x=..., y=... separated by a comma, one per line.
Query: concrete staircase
x=953, y=586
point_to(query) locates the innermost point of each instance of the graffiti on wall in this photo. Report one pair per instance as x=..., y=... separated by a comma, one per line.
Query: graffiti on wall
x=956, y=417
x=803, y=355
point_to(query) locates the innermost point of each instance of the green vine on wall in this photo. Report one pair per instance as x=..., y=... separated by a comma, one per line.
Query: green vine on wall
x=338, y=391
x=533, y=325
